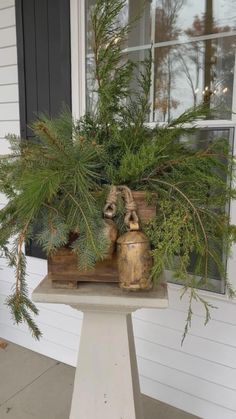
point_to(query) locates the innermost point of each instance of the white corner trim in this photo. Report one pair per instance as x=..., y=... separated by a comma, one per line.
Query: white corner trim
x=78, y=78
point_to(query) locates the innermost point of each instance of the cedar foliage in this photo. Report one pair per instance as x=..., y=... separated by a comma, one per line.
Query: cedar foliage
x=60, y=179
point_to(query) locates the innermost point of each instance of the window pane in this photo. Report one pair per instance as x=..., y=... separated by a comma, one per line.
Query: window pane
x=181, y=19
x=188, y=73
x=135, y=12
x=200, y=141
x=168, y=20
x=185, y=72
x=91, y=86
x=89, y=6
x=141, y=31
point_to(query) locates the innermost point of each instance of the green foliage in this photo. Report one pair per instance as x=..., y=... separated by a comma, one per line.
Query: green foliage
x=21, y=306
x=50, y=181
x=59, y=181
x=112, y=73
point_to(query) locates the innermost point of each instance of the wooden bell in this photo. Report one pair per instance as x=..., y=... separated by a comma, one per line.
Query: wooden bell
x=134, y=252
x=134, y=261
x=111, y=231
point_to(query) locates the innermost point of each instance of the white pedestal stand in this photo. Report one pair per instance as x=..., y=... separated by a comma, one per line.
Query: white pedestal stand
x=106, y=380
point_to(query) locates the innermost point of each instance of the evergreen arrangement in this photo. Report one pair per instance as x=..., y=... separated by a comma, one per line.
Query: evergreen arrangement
x=60, y=180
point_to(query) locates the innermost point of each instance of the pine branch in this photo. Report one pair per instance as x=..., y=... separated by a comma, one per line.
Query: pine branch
x=194, y=296
x=19, y=303
x=90, y=235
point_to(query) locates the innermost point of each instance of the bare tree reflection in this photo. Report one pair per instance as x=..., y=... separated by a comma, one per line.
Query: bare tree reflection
x=214, y=58
x=166, y=30
x=208, y=27
x=189, y=71
x=205, y=66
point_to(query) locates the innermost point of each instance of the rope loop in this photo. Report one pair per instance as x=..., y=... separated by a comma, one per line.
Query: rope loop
x=131, y=217
x=110, y=206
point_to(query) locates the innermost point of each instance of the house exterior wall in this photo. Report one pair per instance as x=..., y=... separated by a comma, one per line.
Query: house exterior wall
x=199, y=377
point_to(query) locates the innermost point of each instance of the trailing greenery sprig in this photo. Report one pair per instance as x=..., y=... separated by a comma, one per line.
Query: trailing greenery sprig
x=21, y=306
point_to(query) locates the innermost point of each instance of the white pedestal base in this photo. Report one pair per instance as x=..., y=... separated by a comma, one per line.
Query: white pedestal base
x=106, y=380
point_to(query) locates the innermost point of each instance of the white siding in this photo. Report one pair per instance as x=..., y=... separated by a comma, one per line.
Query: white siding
x=6, y=3
x=9, y=111
x=8, y=37
x=9, y=93
x=7, y=127
x=8, y=55
x=8, y=75
x=199, y=377
x=7, y=16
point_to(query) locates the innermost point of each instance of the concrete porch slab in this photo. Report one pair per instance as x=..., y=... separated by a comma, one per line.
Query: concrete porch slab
x=36, y=387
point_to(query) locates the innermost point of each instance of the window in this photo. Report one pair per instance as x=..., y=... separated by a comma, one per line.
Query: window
x=200, y=140
x=194, y=58
x=193, y=51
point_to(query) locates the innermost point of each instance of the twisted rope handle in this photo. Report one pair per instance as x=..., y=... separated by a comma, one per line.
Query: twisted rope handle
x=131, y=217
x=109, y=210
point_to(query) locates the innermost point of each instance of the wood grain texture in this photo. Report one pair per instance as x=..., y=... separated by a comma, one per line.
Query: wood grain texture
x=63, y=264
x=146, y=211
x=134, y=261
x=64, y=272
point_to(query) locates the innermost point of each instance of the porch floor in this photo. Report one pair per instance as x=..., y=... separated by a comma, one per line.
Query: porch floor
x=36, y=387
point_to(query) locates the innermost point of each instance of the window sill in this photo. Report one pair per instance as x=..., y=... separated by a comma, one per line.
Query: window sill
x=207, y=295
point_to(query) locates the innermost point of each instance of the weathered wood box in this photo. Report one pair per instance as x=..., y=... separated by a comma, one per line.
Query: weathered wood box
x=64, y=273
x=62, y=265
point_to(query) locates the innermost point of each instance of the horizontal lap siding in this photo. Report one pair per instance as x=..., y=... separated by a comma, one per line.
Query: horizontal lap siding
x=199, y=377
x=185, y=401
x=9, y=93
x=7, y=127
x=8, y=75
x=8, y=55
x=9, y=111
x=6, y=4
x=7, y=17
x=7, y=37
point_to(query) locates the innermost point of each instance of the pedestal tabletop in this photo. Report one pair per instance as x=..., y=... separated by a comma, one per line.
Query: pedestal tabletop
x=106, y=380
x=104, y=296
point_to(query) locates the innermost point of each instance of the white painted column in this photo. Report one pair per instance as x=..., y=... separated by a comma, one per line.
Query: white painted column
x=106, y=380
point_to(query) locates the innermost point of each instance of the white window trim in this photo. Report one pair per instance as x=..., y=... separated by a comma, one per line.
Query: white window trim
x=78, y=82
x=78, y=76
x=194, y=39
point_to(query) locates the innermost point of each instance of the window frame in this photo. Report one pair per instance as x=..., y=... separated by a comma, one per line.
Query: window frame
x=78, y=82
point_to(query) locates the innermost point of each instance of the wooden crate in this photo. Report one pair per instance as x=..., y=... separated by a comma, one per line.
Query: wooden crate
x=64, y=273
x=62, y=265
x=145, y=211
